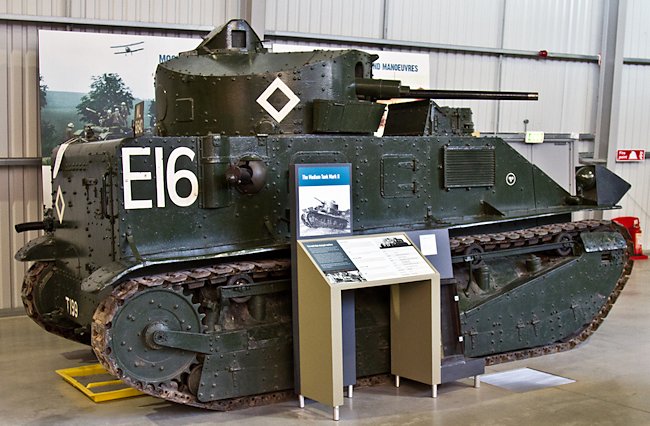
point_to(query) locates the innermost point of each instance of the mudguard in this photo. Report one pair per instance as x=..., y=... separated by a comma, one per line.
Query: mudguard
x=45, y=248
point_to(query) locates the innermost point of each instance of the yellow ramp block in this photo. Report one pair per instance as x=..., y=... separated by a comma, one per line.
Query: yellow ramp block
x=96, y=383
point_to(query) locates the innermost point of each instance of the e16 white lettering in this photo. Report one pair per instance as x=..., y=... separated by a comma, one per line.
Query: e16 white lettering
x=170, y=180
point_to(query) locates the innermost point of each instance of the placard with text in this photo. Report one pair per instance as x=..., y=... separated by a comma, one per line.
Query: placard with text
x=323, y=200
x=367, y=258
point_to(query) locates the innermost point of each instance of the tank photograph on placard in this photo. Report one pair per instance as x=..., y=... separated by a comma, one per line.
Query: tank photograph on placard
x=323, y=217
x=391, y=242
x=345, y=277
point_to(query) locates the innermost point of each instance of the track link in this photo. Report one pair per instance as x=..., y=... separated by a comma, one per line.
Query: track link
x=33, y=277
x=177, y=389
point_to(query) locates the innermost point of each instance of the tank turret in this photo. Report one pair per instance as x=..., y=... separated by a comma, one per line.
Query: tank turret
x=230, y=84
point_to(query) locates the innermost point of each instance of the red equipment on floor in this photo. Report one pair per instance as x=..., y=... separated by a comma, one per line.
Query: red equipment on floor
x=634, y=228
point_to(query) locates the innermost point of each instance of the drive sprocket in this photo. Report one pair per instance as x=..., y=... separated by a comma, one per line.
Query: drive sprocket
x=125, y=324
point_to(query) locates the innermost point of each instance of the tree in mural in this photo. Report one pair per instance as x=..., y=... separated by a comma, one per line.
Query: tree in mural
x=42, y=99
x=48, y=132
x=108, y=103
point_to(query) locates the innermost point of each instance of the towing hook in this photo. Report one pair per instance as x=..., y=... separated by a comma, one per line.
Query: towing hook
x=46, y=225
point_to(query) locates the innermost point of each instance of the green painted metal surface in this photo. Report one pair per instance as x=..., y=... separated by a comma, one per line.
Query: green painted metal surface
x=533, y=306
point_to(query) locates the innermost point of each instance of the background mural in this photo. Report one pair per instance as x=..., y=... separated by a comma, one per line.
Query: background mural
x=93, y=78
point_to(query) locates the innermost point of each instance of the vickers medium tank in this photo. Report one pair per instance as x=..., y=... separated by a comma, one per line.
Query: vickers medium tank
x=325, y=215
x=169, y=254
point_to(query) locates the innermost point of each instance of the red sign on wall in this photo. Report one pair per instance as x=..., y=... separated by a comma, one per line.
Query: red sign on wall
x=623, y=155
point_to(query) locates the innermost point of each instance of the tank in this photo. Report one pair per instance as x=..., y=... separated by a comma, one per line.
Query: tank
x=325, y=215
x=169, y=254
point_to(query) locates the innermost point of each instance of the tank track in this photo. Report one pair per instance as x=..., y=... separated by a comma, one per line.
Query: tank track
x=32, y=277
x=176, y=390
x=528, y=236
x=539, y=235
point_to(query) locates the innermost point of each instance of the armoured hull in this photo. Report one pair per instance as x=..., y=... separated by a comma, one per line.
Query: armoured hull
x=168, y=254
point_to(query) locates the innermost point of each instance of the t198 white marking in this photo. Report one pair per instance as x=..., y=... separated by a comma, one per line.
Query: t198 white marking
x=72, y=307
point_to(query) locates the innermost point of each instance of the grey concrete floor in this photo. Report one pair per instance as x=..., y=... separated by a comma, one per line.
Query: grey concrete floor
x=611, y=372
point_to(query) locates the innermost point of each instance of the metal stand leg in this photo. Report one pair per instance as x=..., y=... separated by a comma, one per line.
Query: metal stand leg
x=335, y=413
x=396, y=381
x=434, y=391
x=477, y=381
x=350, y=391
x=301, y=401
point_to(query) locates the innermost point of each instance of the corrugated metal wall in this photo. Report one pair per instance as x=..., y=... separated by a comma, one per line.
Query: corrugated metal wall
x=361, y=18
x=634, y=114
x=462, y=23
x=189, y=12
x=568, y=89
x=20, y=186
x=567, y=96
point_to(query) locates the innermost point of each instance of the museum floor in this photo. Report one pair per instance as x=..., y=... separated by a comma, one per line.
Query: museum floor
x=611, y=373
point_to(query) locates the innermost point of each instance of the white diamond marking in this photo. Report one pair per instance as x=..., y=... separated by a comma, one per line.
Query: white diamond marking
x=263, y=100
x=59, y=204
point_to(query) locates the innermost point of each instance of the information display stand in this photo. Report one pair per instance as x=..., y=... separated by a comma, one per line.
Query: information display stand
x=326, y=268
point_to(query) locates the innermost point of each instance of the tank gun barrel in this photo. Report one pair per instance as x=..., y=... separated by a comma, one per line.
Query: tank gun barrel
x=474, y=94
x=390, y=89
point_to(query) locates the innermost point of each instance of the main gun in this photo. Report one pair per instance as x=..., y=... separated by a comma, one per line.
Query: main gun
x=370, y=88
